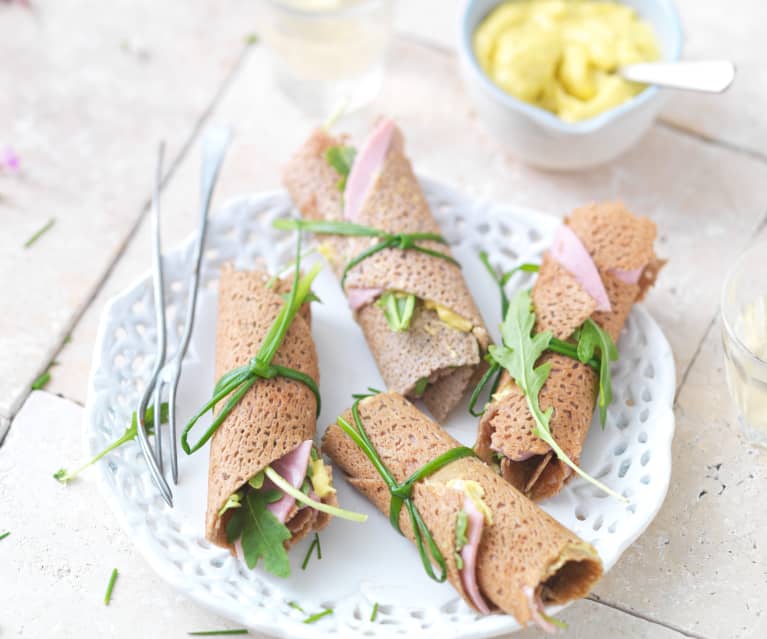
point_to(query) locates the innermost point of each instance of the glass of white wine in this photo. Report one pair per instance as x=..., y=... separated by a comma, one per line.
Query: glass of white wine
x=744, y=335
x=327, y=54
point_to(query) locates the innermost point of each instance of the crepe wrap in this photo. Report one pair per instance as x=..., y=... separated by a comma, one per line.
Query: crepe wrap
x=275, y=415
x=523, y=548
x=618, y=243
x=451, y=359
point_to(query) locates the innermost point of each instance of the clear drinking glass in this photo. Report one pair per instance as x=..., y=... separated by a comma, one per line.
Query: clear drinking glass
x=328, y=54
x=744, y=335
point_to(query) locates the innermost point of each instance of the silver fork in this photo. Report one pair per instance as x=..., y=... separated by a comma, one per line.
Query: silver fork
x=167, y=373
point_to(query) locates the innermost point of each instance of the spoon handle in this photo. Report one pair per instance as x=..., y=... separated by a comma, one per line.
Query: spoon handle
x=710, y=76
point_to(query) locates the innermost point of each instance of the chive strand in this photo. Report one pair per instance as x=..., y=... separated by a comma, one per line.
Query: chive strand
x=570, y=350
x=374, y=614
x=4, y=535
x=295, y=605
x=319, y=615
x=305, y=379
x=309, y=552
x=41, y=381
x=289, y=489
x=367, y=253
x=40, y=232
x=492, y=370
x=214, y=633
x=110, y=587
x=328, y=227
x=433, y=253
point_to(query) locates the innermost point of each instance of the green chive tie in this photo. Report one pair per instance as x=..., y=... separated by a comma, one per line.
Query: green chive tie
x=401, y=241
x=236, y=383
x=401, y=494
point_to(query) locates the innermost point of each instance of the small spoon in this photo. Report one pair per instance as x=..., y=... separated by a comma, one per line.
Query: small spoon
x=709, y=76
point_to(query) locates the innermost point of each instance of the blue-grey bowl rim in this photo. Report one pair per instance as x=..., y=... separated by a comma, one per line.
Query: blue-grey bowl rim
x=546, y=118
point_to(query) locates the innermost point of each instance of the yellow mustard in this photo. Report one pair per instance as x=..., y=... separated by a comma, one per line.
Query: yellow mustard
x=449, y=317
x=320, y=478
x=474, y=491
x=562, y=55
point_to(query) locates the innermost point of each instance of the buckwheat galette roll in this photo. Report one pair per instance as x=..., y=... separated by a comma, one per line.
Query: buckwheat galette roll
x=273, y=424
x=410, y=299
x=601, y=262
x=498, y=549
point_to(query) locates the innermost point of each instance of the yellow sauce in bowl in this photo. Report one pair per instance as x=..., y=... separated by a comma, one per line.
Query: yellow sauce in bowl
x=562, y=55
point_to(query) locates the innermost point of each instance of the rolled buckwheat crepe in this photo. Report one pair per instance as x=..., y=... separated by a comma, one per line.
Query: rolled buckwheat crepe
x=439, y=355
x=512, y=557
x=601, y=262
x=274, y=423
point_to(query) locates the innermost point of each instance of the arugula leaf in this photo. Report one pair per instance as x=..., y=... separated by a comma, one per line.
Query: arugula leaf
x=518, y=355
x=398, y=309
x=458, y=561
x=4, y=535
x=420, y=386
x=63, y=475
x=341, y=159
x=263, y=536
x=591, y=337
x=235, y=526
x=272, y=495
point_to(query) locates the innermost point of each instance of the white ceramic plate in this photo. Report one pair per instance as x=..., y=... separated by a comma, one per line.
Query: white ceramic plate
x=361, y=563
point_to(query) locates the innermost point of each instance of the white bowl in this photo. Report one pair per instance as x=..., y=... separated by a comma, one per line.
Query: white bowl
x=539, y=137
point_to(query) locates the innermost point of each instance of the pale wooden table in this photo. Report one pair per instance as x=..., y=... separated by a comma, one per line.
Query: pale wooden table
x=94, y=86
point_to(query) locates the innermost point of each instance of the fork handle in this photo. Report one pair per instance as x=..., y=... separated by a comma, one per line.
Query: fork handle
x=214, y=145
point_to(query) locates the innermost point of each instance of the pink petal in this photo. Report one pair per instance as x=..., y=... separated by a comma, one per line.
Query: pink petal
x=11, y=160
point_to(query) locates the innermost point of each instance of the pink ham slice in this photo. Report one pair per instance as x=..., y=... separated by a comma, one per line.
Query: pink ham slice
x=476, y=522
x=292, y=467
x=536, y=610
x=359, y=297
x=366, y=166
x=628, y=277
x=569, y=251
